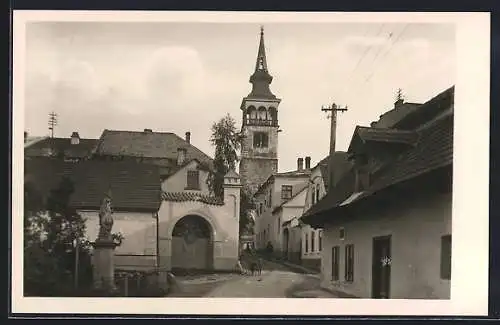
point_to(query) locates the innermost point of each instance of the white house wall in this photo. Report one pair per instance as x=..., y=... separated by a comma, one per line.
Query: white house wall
x=416, y=229
x=138, y=249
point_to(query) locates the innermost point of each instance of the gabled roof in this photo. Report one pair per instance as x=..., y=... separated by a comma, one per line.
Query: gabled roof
x=61, y=146
x=134, y=186
x=296, y=190
x=191, y=196
x=147, y=144
x=433, y=150
x=382, y=135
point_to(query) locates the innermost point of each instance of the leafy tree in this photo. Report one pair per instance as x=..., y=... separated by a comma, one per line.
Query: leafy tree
x=50, y=231
x=227, y=141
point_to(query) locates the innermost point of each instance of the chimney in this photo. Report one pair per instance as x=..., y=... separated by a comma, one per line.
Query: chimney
x=399, y=103
x=25, y=136
x=148, y=131
x=308, y=162
x=300, y=164
x=75, y=138
x=181, y=156
x=188, y=137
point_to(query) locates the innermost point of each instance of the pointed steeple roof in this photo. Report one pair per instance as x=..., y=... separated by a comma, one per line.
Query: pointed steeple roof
x=261, y=64
x=261, y=79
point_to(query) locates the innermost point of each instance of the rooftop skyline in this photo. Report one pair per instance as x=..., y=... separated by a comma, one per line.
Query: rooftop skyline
x=178, y=77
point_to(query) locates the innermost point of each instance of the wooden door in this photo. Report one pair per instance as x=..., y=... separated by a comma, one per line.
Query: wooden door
x=381, y=267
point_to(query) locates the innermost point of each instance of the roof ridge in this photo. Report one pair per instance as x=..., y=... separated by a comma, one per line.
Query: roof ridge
x=131, y=131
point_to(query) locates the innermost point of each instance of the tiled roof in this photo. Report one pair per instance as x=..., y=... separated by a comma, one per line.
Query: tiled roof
x=392, y=117
x=433, y=150
x=134, y=186
x=190, y=196
x=296, y=190
x=147, y=144
x=61, y=146
x=385, y=135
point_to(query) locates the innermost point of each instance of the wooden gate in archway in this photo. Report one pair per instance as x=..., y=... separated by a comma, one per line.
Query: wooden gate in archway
x=192, y=244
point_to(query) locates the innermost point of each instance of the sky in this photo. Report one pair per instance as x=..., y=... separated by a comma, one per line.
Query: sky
x=178, y=77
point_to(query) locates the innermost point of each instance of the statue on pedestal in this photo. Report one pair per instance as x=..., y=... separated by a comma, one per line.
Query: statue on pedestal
x=105, y=219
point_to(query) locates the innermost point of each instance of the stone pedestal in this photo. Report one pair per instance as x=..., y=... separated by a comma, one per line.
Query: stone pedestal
x=103, y=264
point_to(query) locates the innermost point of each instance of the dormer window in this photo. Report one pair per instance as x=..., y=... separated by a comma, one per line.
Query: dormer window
x=260, y=140
x=193, y=180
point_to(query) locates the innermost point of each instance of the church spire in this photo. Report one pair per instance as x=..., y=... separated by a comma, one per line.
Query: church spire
x=261, y=64
x=261, y=79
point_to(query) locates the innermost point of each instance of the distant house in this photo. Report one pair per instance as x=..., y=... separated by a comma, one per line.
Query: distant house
x=387, y=222
x=316, y=189
x=160, y=148
x=70, y=149
x=281, y=190
x=196, y=229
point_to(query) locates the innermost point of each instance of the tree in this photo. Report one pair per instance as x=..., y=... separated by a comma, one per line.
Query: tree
x=50, y=231
x=227, y=142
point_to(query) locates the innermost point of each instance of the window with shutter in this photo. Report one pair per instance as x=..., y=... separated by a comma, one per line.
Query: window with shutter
x=335, y=263
x=349, y=263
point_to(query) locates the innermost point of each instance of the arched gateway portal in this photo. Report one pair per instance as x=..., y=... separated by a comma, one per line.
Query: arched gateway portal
x=192, y=244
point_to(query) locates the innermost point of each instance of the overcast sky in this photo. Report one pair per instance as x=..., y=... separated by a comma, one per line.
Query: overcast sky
x=178, y=77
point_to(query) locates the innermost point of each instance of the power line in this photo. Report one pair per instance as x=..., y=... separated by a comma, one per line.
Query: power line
x=365, y=53
x=389, y=50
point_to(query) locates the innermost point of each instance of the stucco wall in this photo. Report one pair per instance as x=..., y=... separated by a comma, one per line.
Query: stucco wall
x=416, y=226
x=138, y=249
x=178, y=181
x=223, y=221
x=266, y=220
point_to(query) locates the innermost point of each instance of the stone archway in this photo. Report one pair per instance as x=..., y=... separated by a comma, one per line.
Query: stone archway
x=286, y=242
x=192, y=244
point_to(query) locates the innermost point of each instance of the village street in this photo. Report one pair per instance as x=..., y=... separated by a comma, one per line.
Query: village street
x=276, y=281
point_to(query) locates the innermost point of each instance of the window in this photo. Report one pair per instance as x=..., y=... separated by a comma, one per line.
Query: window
x=269, y=201
x=341, y=233
x=260, y=208
x=313, y=194
x=335, y=263
x=306, y=243
x=349, y=263
x=260, y=140
x=279, y=225
x=286, y=192
x=317, y=192
x=193, y=180
x=446, y=257
x=320, y=239
x=312, y=240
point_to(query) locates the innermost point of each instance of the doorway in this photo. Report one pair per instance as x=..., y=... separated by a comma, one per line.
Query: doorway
x=192, y=247
x=381, y=267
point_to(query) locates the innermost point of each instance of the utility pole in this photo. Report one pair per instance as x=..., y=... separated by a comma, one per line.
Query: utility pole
x=52, y=123
x=333, y=131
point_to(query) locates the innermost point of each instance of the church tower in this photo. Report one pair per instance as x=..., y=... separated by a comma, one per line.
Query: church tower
x=259, y=152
